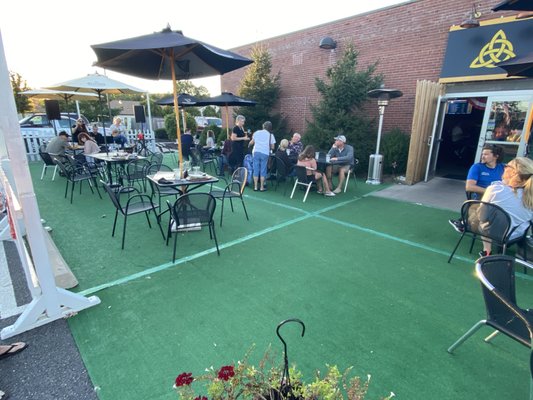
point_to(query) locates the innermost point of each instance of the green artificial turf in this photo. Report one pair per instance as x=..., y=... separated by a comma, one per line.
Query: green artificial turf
x=368, y=276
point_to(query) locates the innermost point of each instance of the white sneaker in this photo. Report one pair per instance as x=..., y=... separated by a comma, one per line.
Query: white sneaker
x=338, y=190
x=329, y=194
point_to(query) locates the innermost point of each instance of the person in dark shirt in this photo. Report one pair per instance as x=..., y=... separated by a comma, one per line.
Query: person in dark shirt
x=80, y=127
x=187, y=141
x=97, y=136
x=238, y=137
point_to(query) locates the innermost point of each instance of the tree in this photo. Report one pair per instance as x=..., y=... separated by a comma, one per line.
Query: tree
x=259, y=85
x=340, y=108
x=18, y=84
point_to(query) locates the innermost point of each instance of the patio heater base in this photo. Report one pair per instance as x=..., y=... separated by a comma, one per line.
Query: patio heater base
x=375, y=168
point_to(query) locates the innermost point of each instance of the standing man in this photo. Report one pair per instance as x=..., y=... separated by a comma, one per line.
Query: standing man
x=342, y=158
x=481, y=175
x=263, y=142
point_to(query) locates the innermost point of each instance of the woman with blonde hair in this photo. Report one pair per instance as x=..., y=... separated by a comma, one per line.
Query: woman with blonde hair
x=307, y=160
x=515, y=195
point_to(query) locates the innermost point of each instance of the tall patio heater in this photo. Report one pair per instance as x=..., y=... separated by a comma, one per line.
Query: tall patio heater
x=375, y=165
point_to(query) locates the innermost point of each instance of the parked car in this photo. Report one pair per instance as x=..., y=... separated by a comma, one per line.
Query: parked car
x=202, y=122
x=40, y=120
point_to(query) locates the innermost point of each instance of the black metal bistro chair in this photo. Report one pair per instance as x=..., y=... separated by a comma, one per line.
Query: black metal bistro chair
x=487, y=221
x=279, y=171
x=75, y=174
x=233, y=190
x=190, y=212
x=136, y=203
x=497, y=277
x=48, y=161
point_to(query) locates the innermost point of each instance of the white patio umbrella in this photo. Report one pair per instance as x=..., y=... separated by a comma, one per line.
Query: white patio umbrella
x=59, y=95
x=96, y=83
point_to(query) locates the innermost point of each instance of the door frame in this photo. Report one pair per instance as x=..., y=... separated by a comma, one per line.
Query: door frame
x=509, y=95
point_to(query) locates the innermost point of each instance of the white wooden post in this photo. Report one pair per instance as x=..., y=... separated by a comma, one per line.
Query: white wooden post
x=49, y=302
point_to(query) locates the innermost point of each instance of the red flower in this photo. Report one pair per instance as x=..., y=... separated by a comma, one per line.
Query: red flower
x=184, y=379
x=200, y=398
x=226, y=372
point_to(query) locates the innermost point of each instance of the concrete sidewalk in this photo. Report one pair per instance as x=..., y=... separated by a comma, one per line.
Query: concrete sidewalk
x=51, y=367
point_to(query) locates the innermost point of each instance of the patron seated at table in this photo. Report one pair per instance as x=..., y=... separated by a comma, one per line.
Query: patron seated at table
x=58, y=145
x=341, y=157
x=89, y=146
x=281, y=153
x=119, y=138
x=307, y=160
x=295, y=147
x=96, y=135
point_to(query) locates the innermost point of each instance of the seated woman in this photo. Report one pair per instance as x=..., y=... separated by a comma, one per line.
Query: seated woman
x=210, y=140
x=281, y=152
x=515, y=195
x=89, y=146
x=307, y=160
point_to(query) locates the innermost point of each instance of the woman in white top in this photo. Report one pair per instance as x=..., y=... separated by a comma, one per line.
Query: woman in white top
x=515, y=195
x=210, y=140
x=117, y=125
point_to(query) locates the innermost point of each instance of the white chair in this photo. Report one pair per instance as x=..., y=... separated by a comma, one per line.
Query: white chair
x=47, y=160
x=351, y=171
x=301, y=179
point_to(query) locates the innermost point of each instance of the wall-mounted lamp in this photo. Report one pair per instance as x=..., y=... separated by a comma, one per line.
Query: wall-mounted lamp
x=327, y=43
x=473, y=19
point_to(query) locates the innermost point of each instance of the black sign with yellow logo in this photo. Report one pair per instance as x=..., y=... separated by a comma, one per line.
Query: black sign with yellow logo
x=471, y=54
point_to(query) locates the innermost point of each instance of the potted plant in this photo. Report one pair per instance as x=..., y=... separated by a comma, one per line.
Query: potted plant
x=264, y=382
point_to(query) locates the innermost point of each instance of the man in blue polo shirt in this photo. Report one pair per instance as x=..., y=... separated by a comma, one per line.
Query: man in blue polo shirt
x=481, y=175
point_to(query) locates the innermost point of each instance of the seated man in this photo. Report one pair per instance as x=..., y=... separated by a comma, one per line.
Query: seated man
x=119, y=138
x=295, y=147
x=481, y=175
x=342, y=158
x=58, y=145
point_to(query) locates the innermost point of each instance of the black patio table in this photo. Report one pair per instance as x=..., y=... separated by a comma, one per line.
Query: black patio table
x=186, y=185
x=114, y=159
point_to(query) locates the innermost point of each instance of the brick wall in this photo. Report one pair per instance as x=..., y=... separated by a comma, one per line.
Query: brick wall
x=408, y=41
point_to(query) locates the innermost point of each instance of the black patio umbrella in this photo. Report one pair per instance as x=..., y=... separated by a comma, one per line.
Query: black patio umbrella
x=184, y=100
x=167, y=55
x=514, y=5
x=226, y=99
x=518, y=66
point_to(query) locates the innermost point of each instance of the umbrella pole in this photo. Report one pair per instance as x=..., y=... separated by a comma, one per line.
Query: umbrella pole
x=227, y=121
x=176, y=110
x=103, y=125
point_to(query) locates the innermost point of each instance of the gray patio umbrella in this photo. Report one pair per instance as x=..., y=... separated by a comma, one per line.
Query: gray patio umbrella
x=514, y=5
x=226, y=99
x=96, y=83
x=167, y=55
x=518, y=66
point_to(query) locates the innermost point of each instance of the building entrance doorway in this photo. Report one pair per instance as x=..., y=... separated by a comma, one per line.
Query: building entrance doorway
x=464, y=124
x=461, y=128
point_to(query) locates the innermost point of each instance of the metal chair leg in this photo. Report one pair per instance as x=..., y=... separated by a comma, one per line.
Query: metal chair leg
x=469, y=333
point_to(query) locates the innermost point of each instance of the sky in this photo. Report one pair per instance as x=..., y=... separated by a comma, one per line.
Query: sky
x=48, y=42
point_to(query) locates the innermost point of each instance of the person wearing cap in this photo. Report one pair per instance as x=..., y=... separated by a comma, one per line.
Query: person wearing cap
x=341, y=157
x=59, y=144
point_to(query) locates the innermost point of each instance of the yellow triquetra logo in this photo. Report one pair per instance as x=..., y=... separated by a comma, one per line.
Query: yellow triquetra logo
x=497, y=50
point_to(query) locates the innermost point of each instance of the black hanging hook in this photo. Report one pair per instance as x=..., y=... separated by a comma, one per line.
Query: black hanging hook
x=285, y=378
